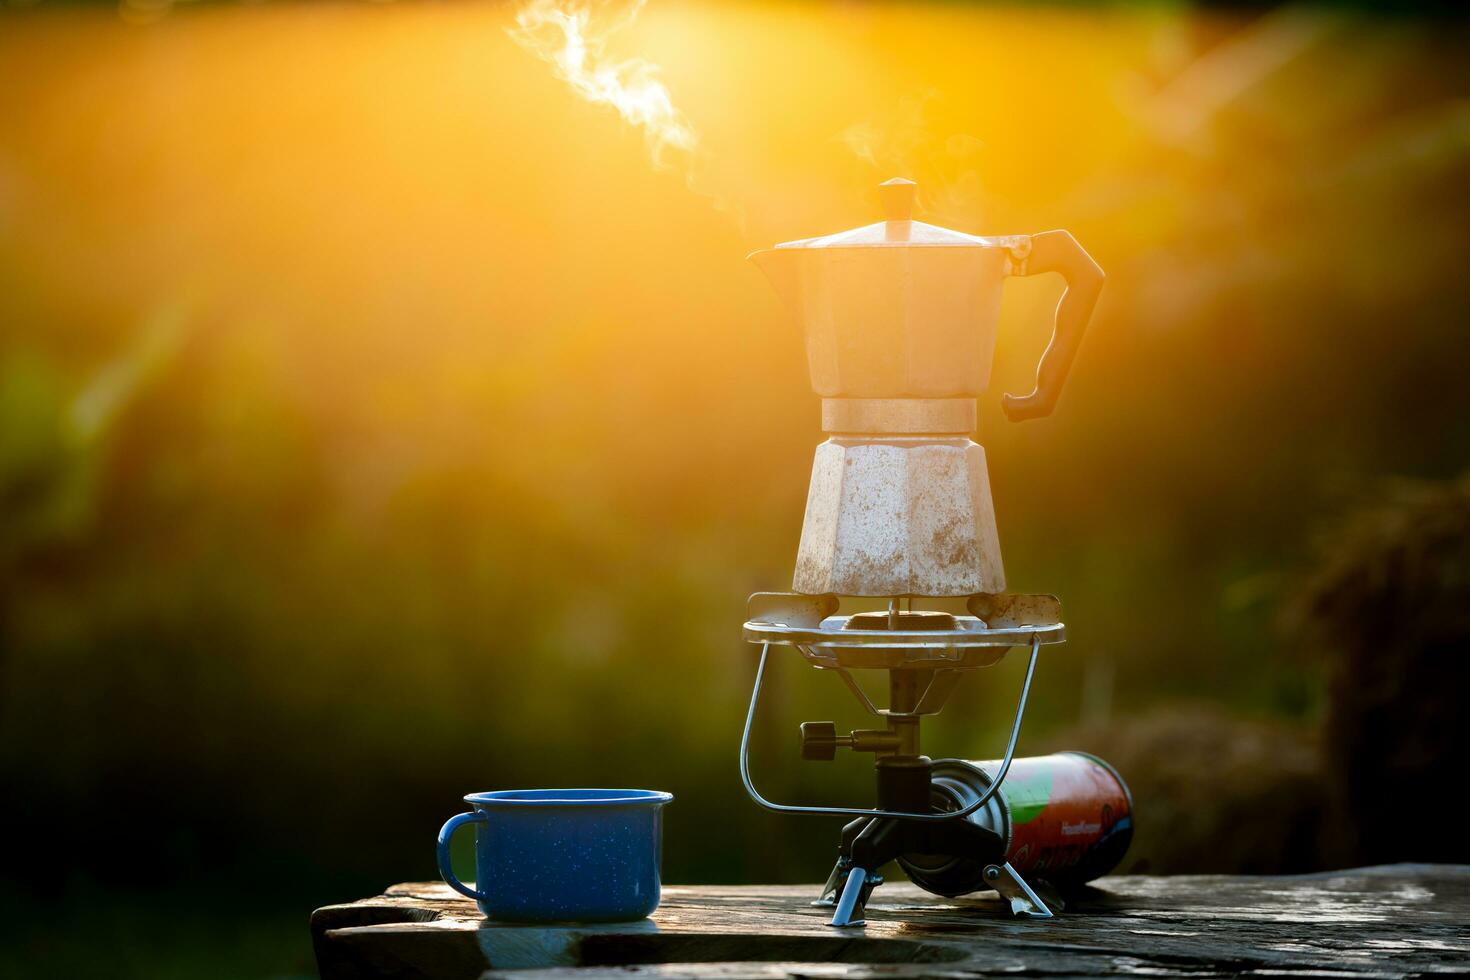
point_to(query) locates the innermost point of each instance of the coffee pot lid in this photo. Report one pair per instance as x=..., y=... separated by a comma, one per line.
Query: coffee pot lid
x=898, y=229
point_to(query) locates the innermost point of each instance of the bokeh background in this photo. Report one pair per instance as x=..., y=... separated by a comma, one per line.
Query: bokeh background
x=381, y=420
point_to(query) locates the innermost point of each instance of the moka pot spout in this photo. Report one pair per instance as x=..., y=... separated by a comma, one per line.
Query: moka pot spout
x=780, y=267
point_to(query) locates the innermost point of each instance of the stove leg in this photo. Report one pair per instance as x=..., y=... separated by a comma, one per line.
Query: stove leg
x=852, y=906
x=850, y=833
x=876, y=843
x=835, y=881
x=1009, y=884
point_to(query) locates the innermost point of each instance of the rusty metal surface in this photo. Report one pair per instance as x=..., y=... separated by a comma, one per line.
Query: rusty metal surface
x=900, y=516
x=1016, y=609
x=791, y=609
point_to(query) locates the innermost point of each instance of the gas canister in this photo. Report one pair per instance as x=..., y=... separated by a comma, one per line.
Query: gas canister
x=1065, y=818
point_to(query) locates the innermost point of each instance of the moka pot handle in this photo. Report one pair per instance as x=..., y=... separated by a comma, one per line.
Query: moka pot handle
x=1055, y=251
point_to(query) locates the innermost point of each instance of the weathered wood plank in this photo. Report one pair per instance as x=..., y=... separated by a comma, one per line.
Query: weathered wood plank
x=1394, y=921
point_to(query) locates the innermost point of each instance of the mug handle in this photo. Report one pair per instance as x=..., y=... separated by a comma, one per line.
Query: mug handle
x=1055, y=251
x=445, y=870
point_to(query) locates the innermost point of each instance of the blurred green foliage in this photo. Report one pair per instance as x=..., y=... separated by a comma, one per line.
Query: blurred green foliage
x=295, y=551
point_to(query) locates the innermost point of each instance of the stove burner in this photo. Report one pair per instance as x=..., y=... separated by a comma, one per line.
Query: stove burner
x=923, y=639
x=907, y=619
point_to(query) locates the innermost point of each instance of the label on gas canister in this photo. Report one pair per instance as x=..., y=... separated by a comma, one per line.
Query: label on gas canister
x=1071, y=818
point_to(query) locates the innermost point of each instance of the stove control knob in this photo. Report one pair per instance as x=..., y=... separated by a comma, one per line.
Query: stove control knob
x=818, y=740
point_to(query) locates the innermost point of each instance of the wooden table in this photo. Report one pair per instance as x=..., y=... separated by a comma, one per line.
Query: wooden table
x=1393, y=921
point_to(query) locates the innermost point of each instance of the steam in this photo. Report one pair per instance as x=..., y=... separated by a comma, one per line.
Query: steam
x=565, y=34
x=902, y=141
x=897, y=140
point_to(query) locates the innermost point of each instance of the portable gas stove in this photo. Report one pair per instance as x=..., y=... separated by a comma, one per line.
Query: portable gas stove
x=900, y=320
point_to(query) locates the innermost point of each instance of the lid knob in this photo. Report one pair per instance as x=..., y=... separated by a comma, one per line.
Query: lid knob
x=897, y=196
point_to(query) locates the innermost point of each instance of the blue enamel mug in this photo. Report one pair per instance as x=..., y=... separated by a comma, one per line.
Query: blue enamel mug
x=562, y=855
